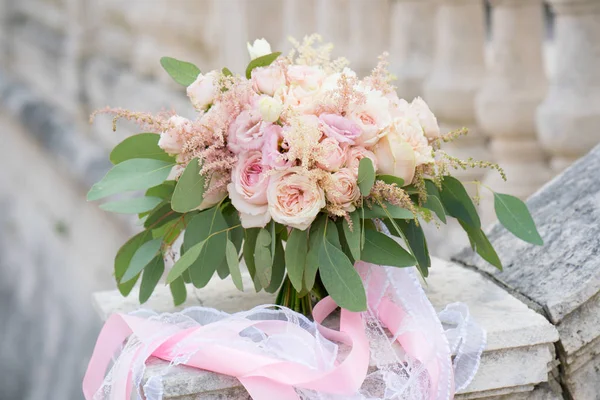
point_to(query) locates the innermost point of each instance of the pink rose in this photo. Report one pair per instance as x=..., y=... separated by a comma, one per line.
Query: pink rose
x=308, y=77
x=172, y=140
x=248, y=190
x=356, y=153
x=340, y=128
x=202, y=91
x=330, y=155
x=372, y=117
x=274, y=148
x=294, y=199
x=344, y=191
x=246, y=132
x=268, y=79
x=426, y=118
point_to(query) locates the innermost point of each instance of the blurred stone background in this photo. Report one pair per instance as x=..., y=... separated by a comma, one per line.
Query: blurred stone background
x=488, y=66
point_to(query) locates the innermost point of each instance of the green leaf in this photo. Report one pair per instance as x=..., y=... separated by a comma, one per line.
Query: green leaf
x=263, y=258
x=249, y=246
x=353, y=235
x=182, y=72
x=457, y=202
x=123, y=258
x=514, y=215
x=164, y=190
x=263, y=61
x=391, y=179
x=381, y=249
x=205, y=226
x=315, y=243
x=416, y=241
x=134, y=174
x=340, y=278
x=144, y=254
x=387, y=211
x=272, y=227
x=366, y=176
x=434, y=201
x=226, y=72
x=296, y=250
x=132, y=206
x=143, y=145
x=278, y=270
x=185, y=261
x=231, y=255
x=482, y=245
x=150, y=277
x=189, y=192
x=178, y=291
x=160, y=215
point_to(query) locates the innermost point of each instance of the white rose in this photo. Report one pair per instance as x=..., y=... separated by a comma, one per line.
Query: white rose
x=173, y=138
x=202, y=91
x=426, y=118
x=294, y=199
x=270, y=108
x=260, y=48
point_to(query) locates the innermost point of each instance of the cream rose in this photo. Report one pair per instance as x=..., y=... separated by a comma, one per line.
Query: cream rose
x=267, y=80
x=426, y=118
x=270, y=108
x=294, y=199
x=372, y=117
x=202, y=91
x=330, y=156
x=344, y=189
x=248, y=190
x=172, y=139
x=396, y=157
x=259, y=48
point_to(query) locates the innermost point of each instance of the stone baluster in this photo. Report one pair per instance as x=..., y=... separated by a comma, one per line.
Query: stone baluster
x=513, y=87
x=264, y=21
x=569, y=118
x=457, y=73
x=411, y=44
x=369, y=33
x=233, y=33
x=299, y=20
x=332, y=24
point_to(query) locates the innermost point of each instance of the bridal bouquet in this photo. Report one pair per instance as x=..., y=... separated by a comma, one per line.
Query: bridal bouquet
x=295, y=167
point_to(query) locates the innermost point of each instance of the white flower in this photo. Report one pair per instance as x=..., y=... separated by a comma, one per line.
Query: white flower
x=202, y=91
x=260, y=48
x=270, y=108
x=172, y=139
x=426, y=118
x=372, y=116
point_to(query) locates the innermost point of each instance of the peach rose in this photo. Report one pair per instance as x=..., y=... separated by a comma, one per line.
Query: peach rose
x=372, y=117
x=267, y=80
x=356, y=153
x=344, y=191
x=172, y=140
x=294, y=199
x=330, y=156
x=202, y=91
x=248, y=190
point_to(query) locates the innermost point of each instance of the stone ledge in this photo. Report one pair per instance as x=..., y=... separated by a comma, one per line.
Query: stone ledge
x=514, y=331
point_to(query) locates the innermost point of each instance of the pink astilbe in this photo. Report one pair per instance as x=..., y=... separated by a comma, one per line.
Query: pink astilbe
x=381, y=78
x=146, y=121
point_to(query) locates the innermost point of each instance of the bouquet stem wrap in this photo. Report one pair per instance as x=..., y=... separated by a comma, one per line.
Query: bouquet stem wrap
x=280, y=354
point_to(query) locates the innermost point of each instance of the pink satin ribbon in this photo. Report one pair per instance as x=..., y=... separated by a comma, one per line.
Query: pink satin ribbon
x=264, y=377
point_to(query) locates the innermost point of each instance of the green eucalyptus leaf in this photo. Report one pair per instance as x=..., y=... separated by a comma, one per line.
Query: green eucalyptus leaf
x=226, y=72
x=132, y=206
x=352, y=235
x=416, y=241
x=457, y=202
x=263, y=61
x=315, y=243
x=249, y=246
x=231, y=256
x=189, y=191
x=163, y=191
x=482, y=245
x=278, y=270
x=434, y=201
x=339, y=277
x=150, y=277
x=185, y=261
x=366, y=176
x=514, y=216
x=123, y=258
x=391, y=179
x=381, y=249
x=178, y=291
x=296, y=250
x=130, y=175
x=144, y=254
x=182, y=72
x=387, y=211
x=263, y=259
x=143, y=145
x=160, y=215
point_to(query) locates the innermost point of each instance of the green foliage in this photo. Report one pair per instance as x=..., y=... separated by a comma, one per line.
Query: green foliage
x=353, y=236
x=160, y=215
x=185, y=261
x=150, y=277
x=163, y=191
x=434, y=201
x=178, y=291
x=482, y=245
x=182, y=72
x=315, y=243
x=391, y=179
x=132, y=206
x=381, y=249
x=123, y=258
x=417, y=243
x=263, y=258
x=387, y=210
x=231, y=256
x=295, y=257
x=189, y=191
x=278, y=269
x=263, y=61
x=142, y=257
x=457, y=202
x=366, y=176
x=250, y=236
x=143, y=145
x=130, y=175
x=514, y=215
